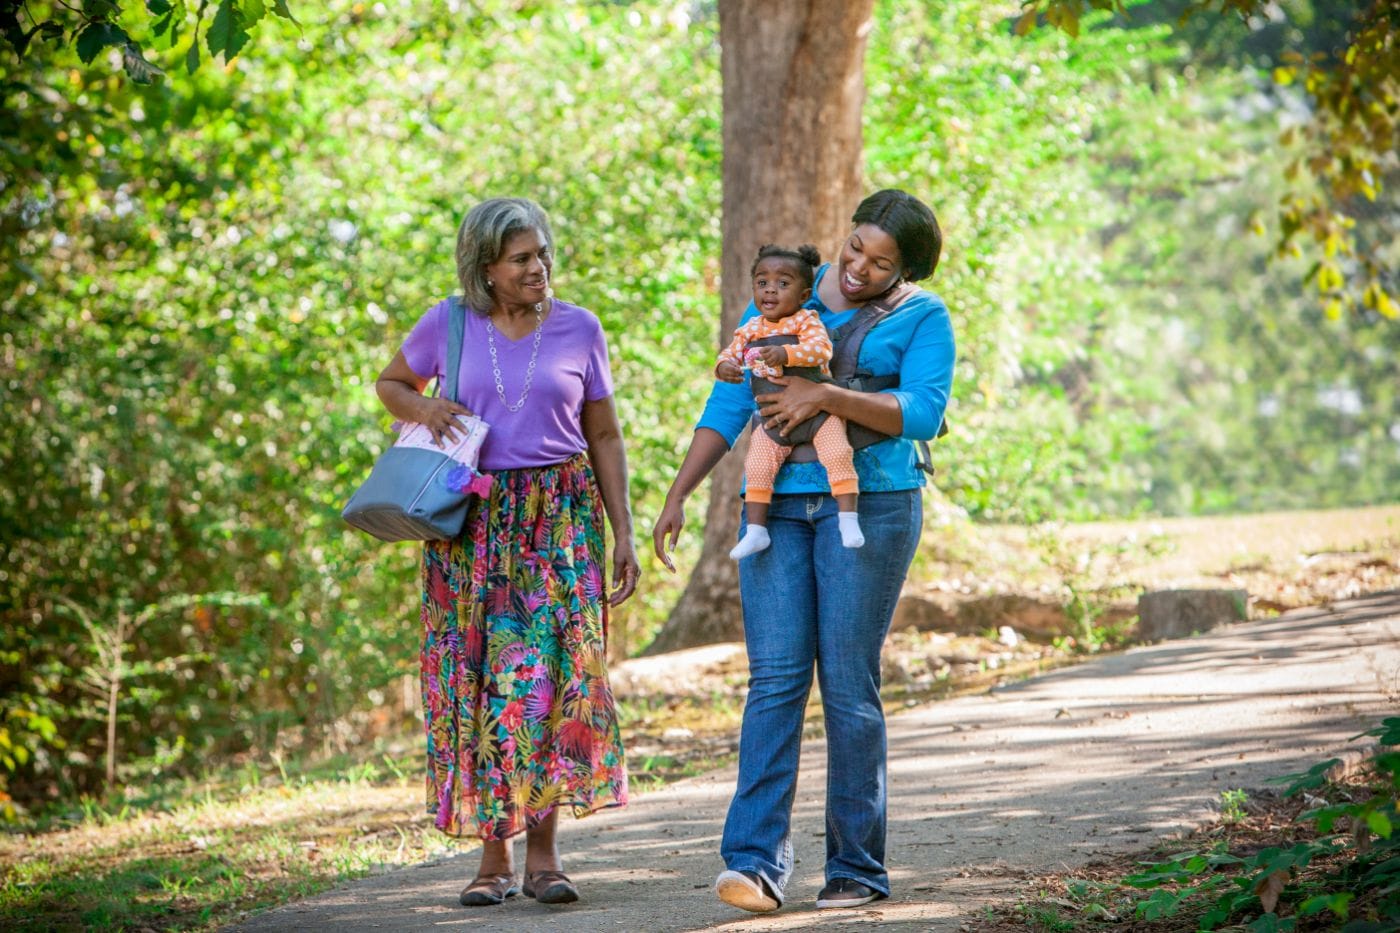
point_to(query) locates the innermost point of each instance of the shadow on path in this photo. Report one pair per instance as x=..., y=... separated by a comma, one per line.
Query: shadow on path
x=985, y=791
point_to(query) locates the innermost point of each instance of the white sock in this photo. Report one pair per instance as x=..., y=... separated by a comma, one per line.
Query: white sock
x=849, y=523
x=754, y=540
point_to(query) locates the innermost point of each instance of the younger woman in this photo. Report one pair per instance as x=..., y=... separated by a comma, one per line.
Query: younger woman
x=810, y=605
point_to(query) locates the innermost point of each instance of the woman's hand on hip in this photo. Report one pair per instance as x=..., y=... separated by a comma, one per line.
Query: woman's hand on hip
x=625, y=572
x=800, y=399
x=669, y=522
x=440, y=417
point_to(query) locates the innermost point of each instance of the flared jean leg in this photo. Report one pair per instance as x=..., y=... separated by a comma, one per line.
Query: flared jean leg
x=810, y=601
x=778, y=586
x=855, y=605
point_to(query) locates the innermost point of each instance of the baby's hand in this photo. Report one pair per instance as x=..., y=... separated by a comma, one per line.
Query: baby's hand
x=773, y=356
x=728, y=371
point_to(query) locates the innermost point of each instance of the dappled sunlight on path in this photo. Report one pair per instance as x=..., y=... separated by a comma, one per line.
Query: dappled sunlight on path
x=985, y=791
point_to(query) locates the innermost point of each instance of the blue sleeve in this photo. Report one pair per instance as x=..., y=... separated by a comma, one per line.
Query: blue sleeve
x=731, y=404
x=926, y=373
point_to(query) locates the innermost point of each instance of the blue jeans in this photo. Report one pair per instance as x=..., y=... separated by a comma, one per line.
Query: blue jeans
x=809, y=600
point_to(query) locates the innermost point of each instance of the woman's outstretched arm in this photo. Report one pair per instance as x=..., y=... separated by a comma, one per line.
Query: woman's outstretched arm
x=707, y=448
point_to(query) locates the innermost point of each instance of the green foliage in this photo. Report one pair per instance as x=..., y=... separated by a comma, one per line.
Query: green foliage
x=1310, y=779
x=1349, y=138
x=199, y=305
x=201, y=276
x=93, y=27
x=1232, y=804
x=1356, y=837
x=1218, y=361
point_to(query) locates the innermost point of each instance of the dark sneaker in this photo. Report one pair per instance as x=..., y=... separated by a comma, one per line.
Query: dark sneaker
x=846, y=892
x=745, y=890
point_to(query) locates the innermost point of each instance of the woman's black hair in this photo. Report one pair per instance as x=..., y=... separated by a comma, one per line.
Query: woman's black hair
x=912, y=225
x=805, y=258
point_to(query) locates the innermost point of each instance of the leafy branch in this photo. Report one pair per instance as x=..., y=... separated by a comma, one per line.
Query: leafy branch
x=1347, y=146
x=111, y=643
x=94, y=26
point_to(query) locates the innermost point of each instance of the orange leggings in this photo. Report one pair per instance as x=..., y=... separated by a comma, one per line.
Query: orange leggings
x=766, y=456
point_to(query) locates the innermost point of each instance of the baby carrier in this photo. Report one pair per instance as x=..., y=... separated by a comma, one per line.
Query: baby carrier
x=846, y=341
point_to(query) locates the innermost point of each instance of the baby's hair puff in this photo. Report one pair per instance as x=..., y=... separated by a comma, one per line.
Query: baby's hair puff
x=805, y=260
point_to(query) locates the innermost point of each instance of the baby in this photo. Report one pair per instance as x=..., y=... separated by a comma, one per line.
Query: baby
x=785, y=334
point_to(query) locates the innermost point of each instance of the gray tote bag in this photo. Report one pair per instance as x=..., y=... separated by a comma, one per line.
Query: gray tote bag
x=418, y=491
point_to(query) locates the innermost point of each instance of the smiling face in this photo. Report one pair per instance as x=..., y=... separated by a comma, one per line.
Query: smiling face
x=520, y=276
x=778, y=288
x=868, y=265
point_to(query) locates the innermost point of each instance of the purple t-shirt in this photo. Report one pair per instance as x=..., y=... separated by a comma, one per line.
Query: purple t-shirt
x=572, y=367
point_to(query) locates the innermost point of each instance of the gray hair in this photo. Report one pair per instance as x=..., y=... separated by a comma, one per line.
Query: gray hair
x=482, y=236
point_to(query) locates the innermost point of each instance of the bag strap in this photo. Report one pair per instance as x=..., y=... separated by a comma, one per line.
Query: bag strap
x=456, y=329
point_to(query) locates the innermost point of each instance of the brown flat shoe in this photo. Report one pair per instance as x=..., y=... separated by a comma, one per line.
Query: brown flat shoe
x=486, y=890
x=550, y=887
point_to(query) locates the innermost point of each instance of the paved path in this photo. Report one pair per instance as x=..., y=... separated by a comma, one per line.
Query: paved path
x=985, y=791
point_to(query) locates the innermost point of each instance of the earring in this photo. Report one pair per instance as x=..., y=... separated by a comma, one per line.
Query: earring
x=490, y=283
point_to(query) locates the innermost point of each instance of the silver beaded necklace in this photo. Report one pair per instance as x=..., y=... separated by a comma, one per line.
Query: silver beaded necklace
x=529, y=370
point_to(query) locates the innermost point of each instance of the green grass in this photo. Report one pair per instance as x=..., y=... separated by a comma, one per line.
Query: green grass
x=192, y=854
x=194, y=863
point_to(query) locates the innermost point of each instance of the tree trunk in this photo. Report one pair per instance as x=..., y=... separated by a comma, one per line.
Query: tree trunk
x=114, y=691
x=794, y=80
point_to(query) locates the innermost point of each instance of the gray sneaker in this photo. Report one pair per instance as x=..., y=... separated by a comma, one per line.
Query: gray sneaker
x=745, y=890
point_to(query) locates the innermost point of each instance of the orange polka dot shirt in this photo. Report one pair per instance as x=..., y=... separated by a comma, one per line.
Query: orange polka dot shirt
x=813, y=347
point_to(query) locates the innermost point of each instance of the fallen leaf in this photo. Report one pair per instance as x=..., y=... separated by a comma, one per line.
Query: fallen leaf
x=1270, y=888
x=1362, y=834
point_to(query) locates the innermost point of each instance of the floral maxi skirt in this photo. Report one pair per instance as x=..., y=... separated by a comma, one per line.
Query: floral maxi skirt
x=516, y=702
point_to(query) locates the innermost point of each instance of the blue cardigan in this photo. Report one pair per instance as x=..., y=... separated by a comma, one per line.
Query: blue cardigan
x=916, y=341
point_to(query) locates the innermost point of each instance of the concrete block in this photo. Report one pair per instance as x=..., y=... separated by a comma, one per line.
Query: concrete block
x=1178, y=613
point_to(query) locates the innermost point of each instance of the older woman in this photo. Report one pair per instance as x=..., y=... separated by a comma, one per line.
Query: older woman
x=808, y=601
x=519, y=715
